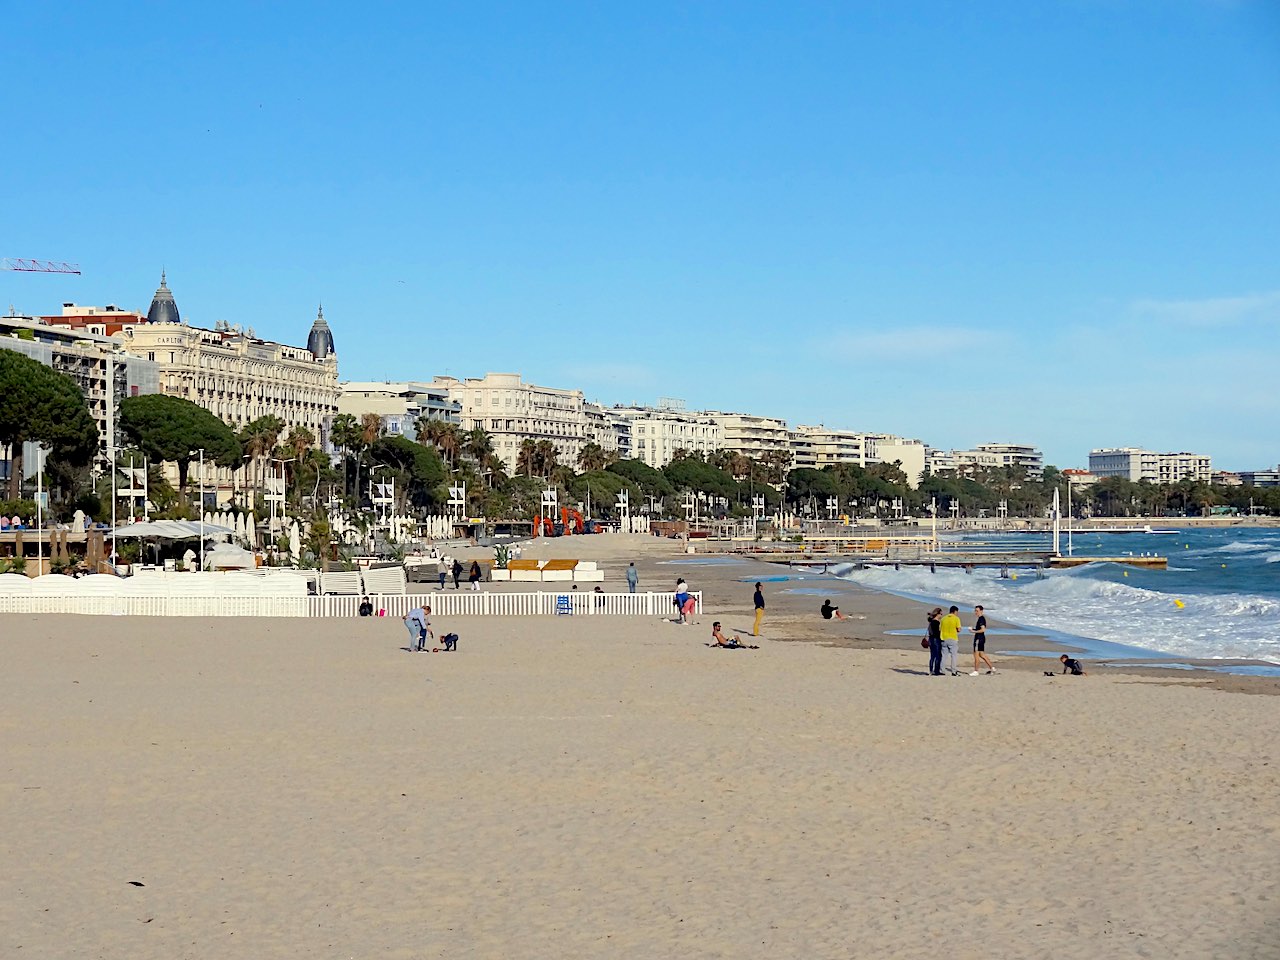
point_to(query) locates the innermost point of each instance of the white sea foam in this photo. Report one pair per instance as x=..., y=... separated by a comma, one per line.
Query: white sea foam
x=1273, y=558
x=1079, y=602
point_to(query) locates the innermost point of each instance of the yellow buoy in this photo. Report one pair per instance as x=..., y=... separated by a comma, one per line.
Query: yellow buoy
x=1224, y=566
x=1179, y=604
x=1015, y=576
x=1126, y=573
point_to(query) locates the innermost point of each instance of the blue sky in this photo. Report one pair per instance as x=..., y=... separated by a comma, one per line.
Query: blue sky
x=1053, y=222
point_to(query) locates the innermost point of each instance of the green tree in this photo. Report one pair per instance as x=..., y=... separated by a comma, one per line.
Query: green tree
x=39, y=404
x=176, y=430
x=419, y=466
x=652, y=483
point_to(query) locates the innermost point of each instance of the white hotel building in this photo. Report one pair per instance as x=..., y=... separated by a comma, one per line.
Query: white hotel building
x=512, y=411
x=1136, y=464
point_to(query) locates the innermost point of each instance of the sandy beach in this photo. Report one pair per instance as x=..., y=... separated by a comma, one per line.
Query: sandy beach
x=603, y=787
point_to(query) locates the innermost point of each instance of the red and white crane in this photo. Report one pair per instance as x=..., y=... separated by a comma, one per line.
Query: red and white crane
x=38, y=266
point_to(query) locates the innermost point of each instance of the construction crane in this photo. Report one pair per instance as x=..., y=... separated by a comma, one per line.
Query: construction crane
x=38, y=266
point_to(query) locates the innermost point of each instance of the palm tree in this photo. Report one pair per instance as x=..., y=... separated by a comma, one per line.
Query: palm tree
x=545, y=456
x=592, y=457
x=442, y=435
x=258, y=439
x=300, y=441
x=479, y=447
x=526, y=459
x=345, y=434
x=368, y=430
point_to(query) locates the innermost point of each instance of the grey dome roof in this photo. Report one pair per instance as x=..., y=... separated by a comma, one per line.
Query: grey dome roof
x=320, y=340
x=163, y=308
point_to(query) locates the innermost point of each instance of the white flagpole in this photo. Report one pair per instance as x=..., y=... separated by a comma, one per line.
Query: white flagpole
x=201, y=511
x=39, y=513
x=113, y=507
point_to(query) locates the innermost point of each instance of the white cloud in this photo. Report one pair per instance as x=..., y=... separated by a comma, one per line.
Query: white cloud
x=1213, y=311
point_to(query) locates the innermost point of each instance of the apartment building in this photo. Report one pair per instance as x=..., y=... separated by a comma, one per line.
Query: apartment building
x=1137, y=464
x=657, y=433
x=400, y=405
x=512, y=411
x=909, y=455
x=816, y=447
x=105, y=373
x=752, y=436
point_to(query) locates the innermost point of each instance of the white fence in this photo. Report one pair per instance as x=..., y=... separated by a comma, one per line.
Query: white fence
x=444, y=603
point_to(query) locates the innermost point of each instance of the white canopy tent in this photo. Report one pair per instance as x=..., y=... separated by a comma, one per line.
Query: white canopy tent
x=170, y=530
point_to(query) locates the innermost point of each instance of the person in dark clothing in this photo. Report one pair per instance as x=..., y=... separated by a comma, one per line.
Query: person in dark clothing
x=828, y=611
x=457, y=573
x=758, y=599
x=935, y=642
x=1073, y=667
x=366, y=607
x=474, y=576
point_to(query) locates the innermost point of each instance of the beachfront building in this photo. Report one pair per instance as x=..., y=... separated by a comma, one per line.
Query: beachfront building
x=752, y=436
x=99, y=365
x=940, y=461
x=400, y=405
x=1260, y=478
x=816, y=447
x=1137, y=464
x=232, y=373
x=907, y=455
x=1007, y=455
x=512, y=411
x=609, y=429
x=657, y=433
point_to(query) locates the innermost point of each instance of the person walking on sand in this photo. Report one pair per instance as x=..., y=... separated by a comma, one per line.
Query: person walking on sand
x=474, y=576
x=949, y=629
x=979, y=629
x=935, y=642
x=682, y=598
x=457, y=573
x=759, y=602
x=633, y=576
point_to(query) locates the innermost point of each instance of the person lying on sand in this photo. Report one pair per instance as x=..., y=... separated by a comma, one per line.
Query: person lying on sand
x=828, y=611
x=722, y=641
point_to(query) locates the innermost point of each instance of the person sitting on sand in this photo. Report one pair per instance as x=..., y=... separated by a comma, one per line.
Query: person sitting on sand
x=734, y=643
x=828, y=611
x=1074, y=667
x=366, y=607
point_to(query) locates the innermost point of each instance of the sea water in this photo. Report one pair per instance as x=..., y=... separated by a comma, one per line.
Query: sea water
x=1220, y=597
